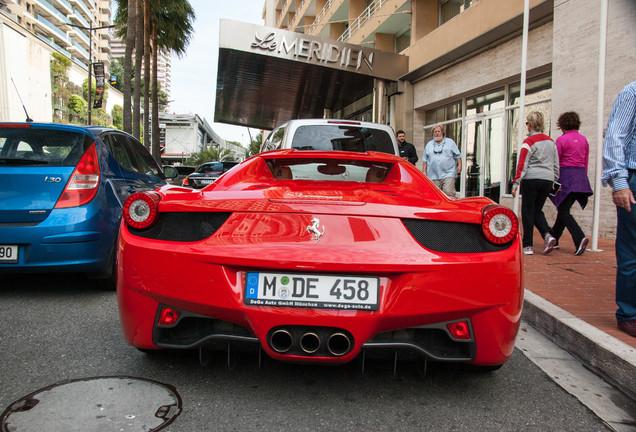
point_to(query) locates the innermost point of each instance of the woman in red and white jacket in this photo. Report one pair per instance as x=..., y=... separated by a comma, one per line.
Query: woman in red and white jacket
x=537, y=170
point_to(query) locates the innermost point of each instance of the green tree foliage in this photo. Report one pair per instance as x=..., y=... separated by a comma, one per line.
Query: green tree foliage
x=211, y=154
x=117, y=114
x=117, y=68
x=60, y=91
x=94, y=89
x=255, y=145
x=77, y=109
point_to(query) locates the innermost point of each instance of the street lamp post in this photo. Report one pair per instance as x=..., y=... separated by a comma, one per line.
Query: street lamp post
x=90, y=29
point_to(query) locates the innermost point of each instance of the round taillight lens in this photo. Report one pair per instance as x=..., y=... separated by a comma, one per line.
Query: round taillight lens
x=141, y=210
x=499, y=224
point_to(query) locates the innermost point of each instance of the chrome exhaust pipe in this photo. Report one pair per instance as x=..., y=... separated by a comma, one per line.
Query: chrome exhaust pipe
x=281, y=341
x=338, y=344
x=309, y=342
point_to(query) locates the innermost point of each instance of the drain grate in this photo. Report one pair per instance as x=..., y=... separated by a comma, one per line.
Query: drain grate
x=95, y=404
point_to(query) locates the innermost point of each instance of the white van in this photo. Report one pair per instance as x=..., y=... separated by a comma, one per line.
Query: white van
x=332, y=134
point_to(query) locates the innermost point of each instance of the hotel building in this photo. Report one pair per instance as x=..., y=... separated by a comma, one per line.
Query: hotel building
x=454, y=62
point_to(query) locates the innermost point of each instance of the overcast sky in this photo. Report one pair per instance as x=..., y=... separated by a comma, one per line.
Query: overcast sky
x=194, y=75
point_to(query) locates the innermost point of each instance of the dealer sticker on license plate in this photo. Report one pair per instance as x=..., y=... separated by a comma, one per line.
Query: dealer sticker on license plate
x=8, y=253
x=312, y=291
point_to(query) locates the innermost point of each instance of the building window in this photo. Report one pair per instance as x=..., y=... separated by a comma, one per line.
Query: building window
x=450, y=8
x=450, y=117
x=403, y=40
x=487, y=133
x=538, y=98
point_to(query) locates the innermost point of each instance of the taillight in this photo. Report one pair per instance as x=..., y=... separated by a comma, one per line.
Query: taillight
x=84, y=182
x=141, y=210
x=499, y=224
x=185, y=182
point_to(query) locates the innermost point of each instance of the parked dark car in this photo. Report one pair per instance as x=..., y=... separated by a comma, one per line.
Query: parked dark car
x=62, y=188
x=207, y=174
x=182, y=170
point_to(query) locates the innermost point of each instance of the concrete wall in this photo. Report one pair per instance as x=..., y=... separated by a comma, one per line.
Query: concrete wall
x=575, y=79
x=569, y=46
x=25, y=61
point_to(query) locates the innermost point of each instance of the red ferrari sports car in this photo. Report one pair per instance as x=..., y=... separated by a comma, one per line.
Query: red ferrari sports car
x=319, y=256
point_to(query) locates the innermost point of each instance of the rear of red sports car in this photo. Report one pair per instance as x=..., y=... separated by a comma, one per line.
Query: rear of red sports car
x=317, y=256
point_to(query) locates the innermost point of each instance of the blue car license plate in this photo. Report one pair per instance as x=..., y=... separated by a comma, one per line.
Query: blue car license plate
x=312, y=291
x=8, y=254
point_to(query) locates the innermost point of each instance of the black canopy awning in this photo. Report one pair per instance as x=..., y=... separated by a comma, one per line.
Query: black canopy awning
x=267, y=76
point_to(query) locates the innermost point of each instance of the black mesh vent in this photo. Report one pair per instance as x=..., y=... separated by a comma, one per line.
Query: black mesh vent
x=184, y=226
x=450, y=237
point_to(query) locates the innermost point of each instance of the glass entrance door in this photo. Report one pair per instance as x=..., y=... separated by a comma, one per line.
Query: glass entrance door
x=484, y=156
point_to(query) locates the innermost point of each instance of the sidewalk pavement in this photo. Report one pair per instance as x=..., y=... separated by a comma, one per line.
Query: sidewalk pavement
x=571, y=300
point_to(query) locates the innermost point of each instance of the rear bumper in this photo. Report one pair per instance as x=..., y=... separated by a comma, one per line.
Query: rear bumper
x=68, y=240
x=416, y=301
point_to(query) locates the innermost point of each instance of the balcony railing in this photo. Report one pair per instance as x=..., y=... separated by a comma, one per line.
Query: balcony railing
x=79, y=49
x=363, y=18
x=319, y=17
x=282, y=13
x=78, y=16
x=51, y=28
x=54, y=45
x=75, y=32
x=84, y=9
x=298, y=15
x=48, y=8
x=64, y=5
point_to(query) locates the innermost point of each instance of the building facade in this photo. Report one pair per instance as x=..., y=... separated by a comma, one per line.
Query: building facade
x=71, y=27
x=164, y=59
x=464, y=71
x=185, y=134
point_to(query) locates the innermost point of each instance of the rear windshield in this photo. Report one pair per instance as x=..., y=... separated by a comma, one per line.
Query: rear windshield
x=217, y=167
x=184, y=170
x=342, y=137
x=25, y=146
x=329, y=169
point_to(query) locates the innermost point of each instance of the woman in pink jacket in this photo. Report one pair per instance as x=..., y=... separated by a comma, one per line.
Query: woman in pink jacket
x=574, y=152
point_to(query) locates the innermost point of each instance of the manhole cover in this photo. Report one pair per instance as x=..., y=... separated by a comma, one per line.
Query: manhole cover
x=95, y=404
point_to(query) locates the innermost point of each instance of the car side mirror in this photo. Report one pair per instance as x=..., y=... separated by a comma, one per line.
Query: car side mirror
x=170, y=172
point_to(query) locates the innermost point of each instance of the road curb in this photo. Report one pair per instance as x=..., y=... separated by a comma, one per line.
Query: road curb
x=611, y=358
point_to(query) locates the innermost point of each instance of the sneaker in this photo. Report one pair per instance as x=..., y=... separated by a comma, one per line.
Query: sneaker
x=528, y=250
x=549, y=244
x=582, y=247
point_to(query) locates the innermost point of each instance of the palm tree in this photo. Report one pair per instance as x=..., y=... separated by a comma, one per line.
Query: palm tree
x=139, y=52
x=172, y=30
x=147, y=74
x=129, y=32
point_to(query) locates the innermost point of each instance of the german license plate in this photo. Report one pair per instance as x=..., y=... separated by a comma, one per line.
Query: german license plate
x=312, y=291
x=8, y=254
x=207, y=182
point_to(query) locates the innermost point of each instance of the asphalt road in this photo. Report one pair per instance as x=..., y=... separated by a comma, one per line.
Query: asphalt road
x=58, y=328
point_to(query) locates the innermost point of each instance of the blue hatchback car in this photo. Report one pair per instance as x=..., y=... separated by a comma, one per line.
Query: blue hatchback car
x=62, y=188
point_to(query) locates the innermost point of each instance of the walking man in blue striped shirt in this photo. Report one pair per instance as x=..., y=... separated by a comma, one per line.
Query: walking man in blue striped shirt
x=619, y=171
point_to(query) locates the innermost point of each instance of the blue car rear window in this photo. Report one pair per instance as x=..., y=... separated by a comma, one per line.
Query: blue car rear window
x=25, y=146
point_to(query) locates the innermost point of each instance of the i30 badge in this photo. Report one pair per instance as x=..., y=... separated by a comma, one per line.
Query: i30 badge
x=315, y=229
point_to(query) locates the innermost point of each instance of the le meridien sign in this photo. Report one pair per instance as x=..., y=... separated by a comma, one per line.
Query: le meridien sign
x=314, y=51
x=294, y=46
